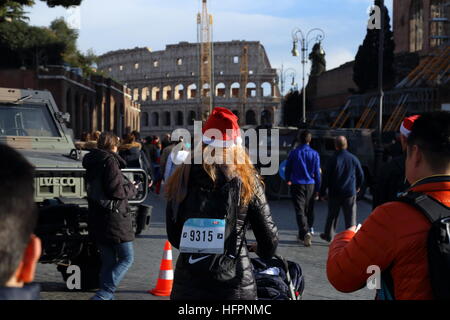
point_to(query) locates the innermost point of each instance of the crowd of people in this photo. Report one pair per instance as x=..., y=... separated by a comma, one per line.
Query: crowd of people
x=210, y=207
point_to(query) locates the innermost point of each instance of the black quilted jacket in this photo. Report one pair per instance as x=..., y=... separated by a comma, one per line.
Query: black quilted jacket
x=189, y=286
x=103, y=172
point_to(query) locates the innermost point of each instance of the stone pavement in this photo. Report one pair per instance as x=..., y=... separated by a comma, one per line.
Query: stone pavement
x=149, y=249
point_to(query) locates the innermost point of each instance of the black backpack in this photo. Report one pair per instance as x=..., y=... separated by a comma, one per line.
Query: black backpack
x=438, y=244
x=221, y=203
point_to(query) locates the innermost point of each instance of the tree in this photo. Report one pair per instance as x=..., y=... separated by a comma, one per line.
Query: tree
x=365, y=72
x=28, y=46
x=63, y=3
x=14, y=9
x=292, y=107
x=69, y=37
x=23, y=45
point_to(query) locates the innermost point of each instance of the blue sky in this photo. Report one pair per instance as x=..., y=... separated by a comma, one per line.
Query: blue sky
x=116, y=24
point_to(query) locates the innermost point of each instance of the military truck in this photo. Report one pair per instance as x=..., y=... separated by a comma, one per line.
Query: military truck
x=360, y=144
x=31, y=123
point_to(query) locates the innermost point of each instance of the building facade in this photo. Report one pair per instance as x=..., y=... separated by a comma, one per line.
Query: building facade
x=94, y=104
x=166, y=83
x=420, y=25
x=421, y=35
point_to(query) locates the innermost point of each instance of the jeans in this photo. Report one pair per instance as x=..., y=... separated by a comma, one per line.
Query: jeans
x=303, y=200
x=335, y=204
x=116, y=260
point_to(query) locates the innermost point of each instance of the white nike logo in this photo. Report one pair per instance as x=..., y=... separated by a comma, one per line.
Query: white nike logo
x=194, y=261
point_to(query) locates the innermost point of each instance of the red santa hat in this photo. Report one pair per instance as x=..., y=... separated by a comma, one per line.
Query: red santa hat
x=407, y=125
x=221, y=130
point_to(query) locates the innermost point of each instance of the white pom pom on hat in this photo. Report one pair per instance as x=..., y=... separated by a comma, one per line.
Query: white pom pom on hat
x=407, y=125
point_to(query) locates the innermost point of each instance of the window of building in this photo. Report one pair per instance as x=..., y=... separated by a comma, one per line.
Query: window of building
x=251, y=90
x=180, y=118
x=167, y=93
x=155, y=119
x=155, y=63
x=179, y=62
x=235, y=59
x=179, y=92
x=250, y=117
x=235, y=87
x=192, y=91
x=416, y=26
x=167, y=118
x=136, y=66
x=121, y=68
x=191, y=118
x=144, y=119
x=220, y=90
x=439, y=22
x=266, y=89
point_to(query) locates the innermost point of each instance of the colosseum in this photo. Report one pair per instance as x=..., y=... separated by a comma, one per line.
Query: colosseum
x=166, y=83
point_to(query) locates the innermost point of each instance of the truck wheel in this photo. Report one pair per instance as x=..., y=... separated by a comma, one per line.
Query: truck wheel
x=143, y=216
x=89, y=263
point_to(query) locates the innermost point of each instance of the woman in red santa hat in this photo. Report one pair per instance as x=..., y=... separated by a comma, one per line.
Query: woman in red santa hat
x=210, y=206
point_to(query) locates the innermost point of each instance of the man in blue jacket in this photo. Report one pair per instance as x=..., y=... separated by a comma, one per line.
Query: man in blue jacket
x=303, y=177
x=343, y=177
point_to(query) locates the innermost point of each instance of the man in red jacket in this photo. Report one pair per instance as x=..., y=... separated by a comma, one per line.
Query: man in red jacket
x=394, y=236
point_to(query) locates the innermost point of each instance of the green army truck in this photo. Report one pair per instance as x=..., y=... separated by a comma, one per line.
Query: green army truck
x=31, y=123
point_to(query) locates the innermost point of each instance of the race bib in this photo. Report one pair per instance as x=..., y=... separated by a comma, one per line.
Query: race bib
x=203, y=236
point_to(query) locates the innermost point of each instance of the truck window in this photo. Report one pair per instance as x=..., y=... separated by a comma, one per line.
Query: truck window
x=27, y=120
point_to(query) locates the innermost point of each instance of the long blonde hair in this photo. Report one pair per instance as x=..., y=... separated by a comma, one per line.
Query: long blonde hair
x=236, y=161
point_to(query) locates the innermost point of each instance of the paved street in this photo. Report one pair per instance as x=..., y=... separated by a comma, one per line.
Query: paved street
x=149, y=249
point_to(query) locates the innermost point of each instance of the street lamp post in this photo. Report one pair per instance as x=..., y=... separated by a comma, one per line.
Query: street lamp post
x=305, y=41
x=290, y=72
x=379, y=147
x=283, y=74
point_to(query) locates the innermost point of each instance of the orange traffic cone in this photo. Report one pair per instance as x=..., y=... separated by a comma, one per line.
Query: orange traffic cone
x=165, y=278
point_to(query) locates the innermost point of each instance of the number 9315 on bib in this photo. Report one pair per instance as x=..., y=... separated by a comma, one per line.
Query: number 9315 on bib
x=203, y=236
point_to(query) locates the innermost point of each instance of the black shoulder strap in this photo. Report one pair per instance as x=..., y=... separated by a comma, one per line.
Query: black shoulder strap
x=433, y=209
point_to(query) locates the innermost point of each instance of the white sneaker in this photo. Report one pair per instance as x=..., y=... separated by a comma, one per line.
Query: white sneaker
x=308, y=240
x=311, y=230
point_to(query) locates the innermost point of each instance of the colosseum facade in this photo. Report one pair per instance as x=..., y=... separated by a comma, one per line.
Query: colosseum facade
x=166, y=83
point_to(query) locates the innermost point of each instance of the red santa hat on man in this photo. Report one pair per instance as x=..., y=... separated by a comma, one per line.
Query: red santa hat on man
x=407, y=125
x=221, y=130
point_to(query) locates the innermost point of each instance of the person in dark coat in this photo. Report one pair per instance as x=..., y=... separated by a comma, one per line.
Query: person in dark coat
x=131, y=151
x=110, y=221
x=392, y=179
x=20, y=249
x=343, y=178
x=189, y=192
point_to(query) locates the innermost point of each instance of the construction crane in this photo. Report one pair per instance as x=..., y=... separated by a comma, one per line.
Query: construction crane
x=206, y=61
x=243, y=82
